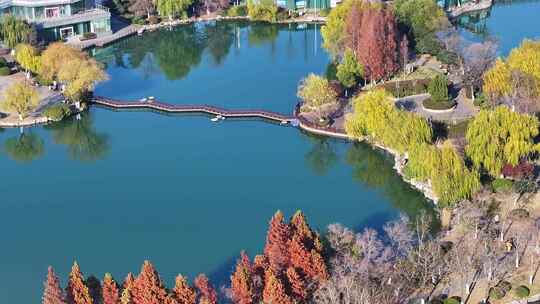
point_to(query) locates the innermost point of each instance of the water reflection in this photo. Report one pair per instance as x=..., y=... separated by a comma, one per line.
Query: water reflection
x=24, y=148
x=322, y=155
x=475, y=22
x=373, y=168
x=176, y=51
x=83, y=142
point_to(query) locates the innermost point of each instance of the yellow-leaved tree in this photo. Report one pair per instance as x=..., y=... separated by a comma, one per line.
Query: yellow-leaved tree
x=518, y=76
x=500, y=136
x=80, y=77
x=73, y=68
x=20, y=98
x=28, y=57
x=55, y=57
x=450, y=178
x=376, y=116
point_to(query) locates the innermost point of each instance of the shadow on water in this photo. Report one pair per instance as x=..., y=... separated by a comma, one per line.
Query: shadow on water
x=221, y=276
x=24, y=148
x=83, y=142
x=374, y=168
x=322, y=155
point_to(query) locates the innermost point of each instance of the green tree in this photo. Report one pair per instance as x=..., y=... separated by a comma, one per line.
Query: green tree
x=20, y=98
x=262, y=10
x=28, y=57
x=173, y=8
x=316, y=91
x=14, y=31
x=500, y=136
x=438, y=88
x=375, y=116
x=24, y=148
x=423, y=18
x=349, y=70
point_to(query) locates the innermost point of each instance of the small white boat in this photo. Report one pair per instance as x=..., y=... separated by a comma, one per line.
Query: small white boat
x=143, y=100
x=284, y=122
x=219, y=117
x=214, y=119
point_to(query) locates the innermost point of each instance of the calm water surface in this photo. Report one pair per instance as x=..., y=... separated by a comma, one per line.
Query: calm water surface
x=115, y=188
x=507, y=22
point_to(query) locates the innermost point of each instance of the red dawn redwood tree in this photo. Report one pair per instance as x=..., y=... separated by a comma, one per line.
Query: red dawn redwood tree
x=297, y=285
x=77, y=292
x=109, y=290
x=207, y=294
x=148, y=288
x=182, y=292
x=52, y=293
x=274, y=291
x=276, y=242
x=242, y=287
x=378, y=46
x=352, y=28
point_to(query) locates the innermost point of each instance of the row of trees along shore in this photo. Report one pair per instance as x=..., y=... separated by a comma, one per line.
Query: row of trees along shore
x=298, y=266
x=72, y=69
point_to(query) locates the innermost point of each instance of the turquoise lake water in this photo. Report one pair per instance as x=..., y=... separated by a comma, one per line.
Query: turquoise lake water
x=115, y=188
x=507, y=22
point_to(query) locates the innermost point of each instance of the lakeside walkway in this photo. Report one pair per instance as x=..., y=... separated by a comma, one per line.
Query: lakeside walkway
x=204, y=109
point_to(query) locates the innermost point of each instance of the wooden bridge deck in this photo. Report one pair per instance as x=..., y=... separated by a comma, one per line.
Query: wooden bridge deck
x=205, y=109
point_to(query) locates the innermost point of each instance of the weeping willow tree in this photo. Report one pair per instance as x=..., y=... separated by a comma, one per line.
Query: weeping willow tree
x=14, y=31
x=500, y=136
x=375, y=116
x=450, y=178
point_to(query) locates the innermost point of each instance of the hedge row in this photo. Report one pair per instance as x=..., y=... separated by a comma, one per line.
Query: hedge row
x=406, y=87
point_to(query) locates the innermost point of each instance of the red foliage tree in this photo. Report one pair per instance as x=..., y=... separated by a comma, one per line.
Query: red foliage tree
x=352, y=28
x=297, y=285
x=148, y=288
x=242, y=287
x=77, y=292
x=301, y=229
x=276, y=243
x=52, y=293
x=522, y=170
x=207, y=294
x=109, y=290
x=378, y=48
x=274, y=291
x=129, y=281
x=183, y=293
